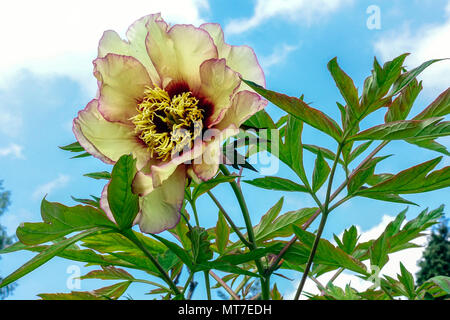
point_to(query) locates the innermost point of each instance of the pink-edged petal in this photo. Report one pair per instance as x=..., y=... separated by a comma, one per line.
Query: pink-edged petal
x=105, y=140
x=104, y=205
x=160, y=209
x=241, y=59
x=122, y=82
x=244, y=105
x=111, y=42
x=178, y=52
x=142, y=184
x=205, y=167
x=218, y=84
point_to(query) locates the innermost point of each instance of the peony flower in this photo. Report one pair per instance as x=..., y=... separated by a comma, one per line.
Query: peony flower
x=169, y=95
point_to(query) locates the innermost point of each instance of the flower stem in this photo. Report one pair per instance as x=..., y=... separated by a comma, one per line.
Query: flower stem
x=265, y=289
x=323, y=221
x=207, y=285
x=228, y=218
x=129, y=234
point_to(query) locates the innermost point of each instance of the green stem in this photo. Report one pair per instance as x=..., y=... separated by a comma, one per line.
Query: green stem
x=194, y=209
x=186, y=285
x=323, y=221
x=208, y=287
x=228, y=218
x=129, y=234
x=311, y=256
x=265, y=291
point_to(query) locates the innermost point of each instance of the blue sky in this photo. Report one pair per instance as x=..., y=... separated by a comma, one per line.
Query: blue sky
x=46, y=78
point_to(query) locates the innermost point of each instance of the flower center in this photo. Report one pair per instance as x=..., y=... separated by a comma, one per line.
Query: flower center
x=167, y=124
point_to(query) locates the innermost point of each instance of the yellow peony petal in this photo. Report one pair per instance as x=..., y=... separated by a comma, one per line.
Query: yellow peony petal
x=178, y=52
x=241, y=59
x=106, y=140
x=205, y=167
x=160, y=209
x=219, y=83
x=244, y=105
x=122, y=82
x=111, y=42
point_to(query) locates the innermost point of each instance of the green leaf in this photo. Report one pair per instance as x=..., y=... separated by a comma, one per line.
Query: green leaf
x=99, y=175
x=201, y=250
x=112, y=292
x=299, y=109
x=401, y=106
x=358, y=151
x=360, y=177
x=437, y=287
x=407, y=129
x=320, y=173
x=276, y=183
x=438, y=108
x=328, y=254
x=349, y=240
x=81, y=155
x=260, y=120
x=59, y=221
x=269, y=217
x=222, y=233
x=73, y=147
x=90, y=202
x=180, y=252
x=345, y=85
x=108, y=273
x=47, y=254
x=124, y=204
x=326, y=153
x=291, y=150
x=210, y=184
x=430, y=145
x=407, y=279
x=406, y=78
x=417, y=179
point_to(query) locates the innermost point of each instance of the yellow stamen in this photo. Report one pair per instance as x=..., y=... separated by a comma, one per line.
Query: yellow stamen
x=167, y=125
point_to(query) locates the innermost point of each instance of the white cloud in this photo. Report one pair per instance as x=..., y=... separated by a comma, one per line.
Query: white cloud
x=279, y=55
x=48, y=187
x=408, y=257
x=13, y=150
x=60, y=37
x=425, y=43
x=295, y=10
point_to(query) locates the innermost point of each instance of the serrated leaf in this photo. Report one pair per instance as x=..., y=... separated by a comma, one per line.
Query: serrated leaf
x=345, y=85
x=438, y=108
x=60, y=220
x=112, y=292
x=413, y=180
x=328, y=254
x=201, y=250
x=108, y=273
x=360, y=177
x=407, y=129
x=46, y=255
x=222, y=233
x=299, y=109
x=401, y=106
x=276, y=183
